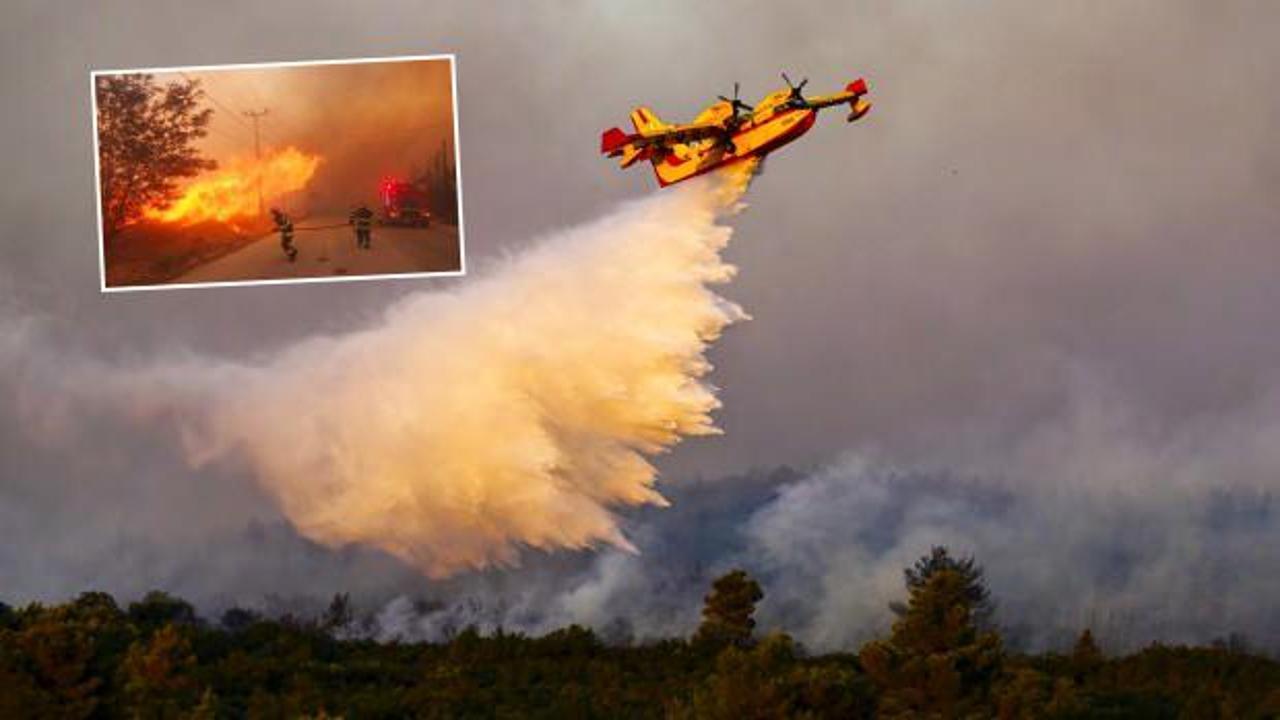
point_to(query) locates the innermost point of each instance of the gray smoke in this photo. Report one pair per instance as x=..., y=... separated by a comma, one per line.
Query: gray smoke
x=1190, y=565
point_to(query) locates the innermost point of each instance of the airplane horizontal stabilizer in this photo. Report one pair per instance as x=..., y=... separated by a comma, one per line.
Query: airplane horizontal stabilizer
x=630, y=154
x=613, y=140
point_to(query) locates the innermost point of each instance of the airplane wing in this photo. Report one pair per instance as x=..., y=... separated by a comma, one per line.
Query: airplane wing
x=643, y=144
x=673, y=134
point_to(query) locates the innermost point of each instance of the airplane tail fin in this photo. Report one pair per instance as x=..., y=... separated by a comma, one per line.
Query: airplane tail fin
x=858, y=104
x=631, y=148
x=613, y=141
x=645, y=120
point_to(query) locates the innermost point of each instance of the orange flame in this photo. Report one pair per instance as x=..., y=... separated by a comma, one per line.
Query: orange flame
x=232, y=191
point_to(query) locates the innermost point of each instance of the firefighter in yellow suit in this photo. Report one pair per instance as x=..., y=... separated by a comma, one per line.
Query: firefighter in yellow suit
x=284, y=226
x=362, y=219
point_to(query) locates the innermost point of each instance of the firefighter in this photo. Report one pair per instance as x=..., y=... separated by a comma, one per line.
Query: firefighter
x=284, y=226
x=362, y=219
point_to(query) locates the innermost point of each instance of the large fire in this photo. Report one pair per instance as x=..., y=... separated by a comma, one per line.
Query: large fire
x=231, y=192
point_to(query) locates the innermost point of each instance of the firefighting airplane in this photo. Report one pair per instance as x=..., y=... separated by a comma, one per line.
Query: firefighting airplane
x=726, y=132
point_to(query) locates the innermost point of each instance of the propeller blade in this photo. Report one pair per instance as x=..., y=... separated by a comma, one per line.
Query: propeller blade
x=796, y=98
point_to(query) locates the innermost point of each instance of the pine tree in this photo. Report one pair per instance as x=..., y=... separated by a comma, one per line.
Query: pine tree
x=939, y=558
x=1086, y=658
x=338, y=616
x=729, y=609
x=938, y=661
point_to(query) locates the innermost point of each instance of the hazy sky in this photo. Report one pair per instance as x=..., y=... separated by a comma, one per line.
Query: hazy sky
x=1049, y=251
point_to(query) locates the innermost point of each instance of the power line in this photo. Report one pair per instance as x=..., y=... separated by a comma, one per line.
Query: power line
x=213, y=128
x=234, y=114
x=247, y=90
x=224, y=134
x=230, y=113
x=251, y=85
x=278, y=118
x=257, y=149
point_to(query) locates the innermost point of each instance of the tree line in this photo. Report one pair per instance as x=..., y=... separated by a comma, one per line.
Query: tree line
x=439, y=181
x=942, y=658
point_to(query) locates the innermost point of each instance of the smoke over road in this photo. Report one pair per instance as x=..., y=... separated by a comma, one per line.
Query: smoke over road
x=517, y=411
x=368, y=121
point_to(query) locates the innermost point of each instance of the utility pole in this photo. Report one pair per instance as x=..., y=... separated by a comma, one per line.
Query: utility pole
x=257, y=150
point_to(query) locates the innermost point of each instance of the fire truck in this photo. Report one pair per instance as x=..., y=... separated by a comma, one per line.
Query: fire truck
x=403, y=203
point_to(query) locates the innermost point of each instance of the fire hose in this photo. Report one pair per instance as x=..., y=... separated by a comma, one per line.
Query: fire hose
x=322, y=227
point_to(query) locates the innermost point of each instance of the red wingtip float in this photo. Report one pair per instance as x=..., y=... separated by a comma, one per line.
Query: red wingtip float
x=728, y=131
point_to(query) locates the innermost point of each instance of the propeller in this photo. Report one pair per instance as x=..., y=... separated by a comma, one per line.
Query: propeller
x=796, y=98
x=735, y=121
x=735, y=103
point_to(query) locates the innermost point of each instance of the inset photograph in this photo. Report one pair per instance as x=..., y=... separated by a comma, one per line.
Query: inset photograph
x=276, y=173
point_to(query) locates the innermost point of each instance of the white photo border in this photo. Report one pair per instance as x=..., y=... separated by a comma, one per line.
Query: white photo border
x=457, y=170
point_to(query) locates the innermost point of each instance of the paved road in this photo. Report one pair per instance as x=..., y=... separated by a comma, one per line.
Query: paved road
x=332, y=252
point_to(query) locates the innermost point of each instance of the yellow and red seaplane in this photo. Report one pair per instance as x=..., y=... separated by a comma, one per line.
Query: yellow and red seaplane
x=728, y=131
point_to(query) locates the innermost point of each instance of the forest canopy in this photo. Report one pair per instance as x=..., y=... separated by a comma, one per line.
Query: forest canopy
x=943, y=657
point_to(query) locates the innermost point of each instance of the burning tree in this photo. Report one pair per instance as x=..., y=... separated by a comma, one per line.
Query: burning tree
x=146, y=137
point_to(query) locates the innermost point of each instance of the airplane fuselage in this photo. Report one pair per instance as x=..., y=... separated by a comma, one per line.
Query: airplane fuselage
x=754, y=139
